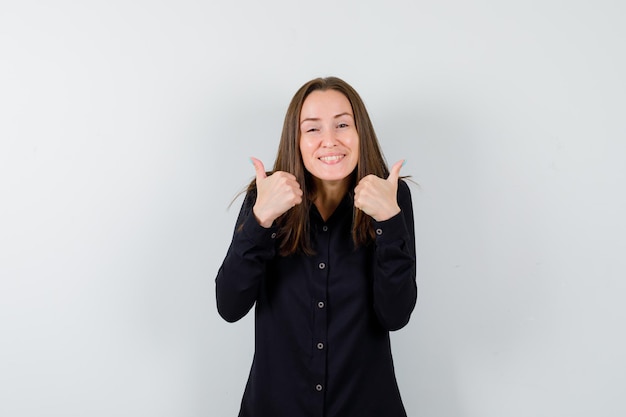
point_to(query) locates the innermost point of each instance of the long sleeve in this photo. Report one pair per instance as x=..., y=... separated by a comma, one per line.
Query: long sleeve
x=244, y=267
x=395, y=288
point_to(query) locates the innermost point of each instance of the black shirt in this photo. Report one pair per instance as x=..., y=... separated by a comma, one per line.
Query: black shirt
x=322, y=322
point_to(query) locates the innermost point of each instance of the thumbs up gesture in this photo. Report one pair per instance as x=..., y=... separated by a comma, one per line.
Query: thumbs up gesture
x=276, y=194
x=377, y=197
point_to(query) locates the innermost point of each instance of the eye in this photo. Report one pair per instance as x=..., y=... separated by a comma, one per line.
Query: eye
x=342, y=125
x=312, y=129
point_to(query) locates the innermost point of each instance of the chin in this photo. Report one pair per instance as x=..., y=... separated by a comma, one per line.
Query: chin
x=333, y=177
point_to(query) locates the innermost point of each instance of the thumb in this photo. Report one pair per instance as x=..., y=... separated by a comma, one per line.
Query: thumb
x=259, y=168
x=394, y=174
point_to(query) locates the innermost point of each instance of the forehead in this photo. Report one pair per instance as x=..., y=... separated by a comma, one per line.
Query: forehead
x=327, y=103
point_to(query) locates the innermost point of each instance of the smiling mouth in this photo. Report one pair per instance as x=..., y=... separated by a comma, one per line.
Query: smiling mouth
x=331, y=158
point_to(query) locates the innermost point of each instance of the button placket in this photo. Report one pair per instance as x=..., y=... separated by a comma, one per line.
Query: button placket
x=322, y=268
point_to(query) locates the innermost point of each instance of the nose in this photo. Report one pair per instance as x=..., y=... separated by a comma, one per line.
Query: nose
x=329, y=140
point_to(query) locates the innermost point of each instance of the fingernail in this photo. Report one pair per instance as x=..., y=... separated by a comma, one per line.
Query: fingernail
x=251, y=161
x=404, y=163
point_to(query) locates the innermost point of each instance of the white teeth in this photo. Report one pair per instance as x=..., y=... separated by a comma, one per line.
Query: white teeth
x=331, y=158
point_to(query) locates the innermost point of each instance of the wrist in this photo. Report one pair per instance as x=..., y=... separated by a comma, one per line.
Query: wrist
x=388, y=214
x=262, y=219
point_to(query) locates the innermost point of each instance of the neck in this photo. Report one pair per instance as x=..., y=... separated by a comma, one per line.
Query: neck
x=328, y=195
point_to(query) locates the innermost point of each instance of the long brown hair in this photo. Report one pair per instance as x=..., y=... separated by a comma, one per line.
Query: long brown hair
x=294, y=226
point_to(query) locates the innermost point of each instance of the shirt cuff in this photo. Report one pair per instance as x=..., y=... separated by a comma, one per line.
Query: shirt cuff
x=258, y=234
x=390, y=230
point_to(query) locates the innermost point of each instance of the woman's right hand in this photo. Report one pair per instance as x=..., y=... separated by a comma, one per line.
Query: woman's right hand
x=276, y=194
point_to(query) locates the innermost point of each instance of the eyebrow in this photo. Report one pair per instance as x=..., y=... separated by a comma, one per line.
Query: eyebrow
x=316, y=119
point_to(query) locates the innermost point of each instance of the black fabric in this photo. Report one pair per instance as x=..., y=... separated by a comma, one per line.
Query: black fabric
x=322, y=322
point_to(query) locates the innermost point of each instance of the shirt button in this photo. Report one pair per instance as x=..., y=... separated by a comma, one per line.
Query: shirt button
x=319, y=387
x=322, y=265
x=320, y=304
x=379, y=232
x=273, y=235
x=320, y=346
x=325, y=228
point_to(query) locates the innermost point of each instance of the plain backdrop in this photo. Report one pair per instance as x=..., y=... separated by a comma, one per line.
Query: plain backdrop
x=125, y=132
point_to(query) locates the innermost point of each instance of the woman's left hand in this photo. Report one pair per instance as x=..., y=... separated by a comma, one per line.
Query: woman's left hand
x=377, y=197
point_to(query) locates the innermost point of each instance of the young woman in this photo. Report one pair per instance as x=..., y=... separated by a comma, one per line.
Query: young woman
x=324, y=246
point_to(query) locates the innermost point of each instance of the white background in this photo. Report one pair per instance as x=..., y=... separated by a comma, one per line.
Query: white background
x=125, y=132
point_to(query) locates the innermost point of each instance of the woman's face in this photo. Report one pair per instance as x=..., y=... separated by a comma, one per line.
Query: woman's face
x=329, y=142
